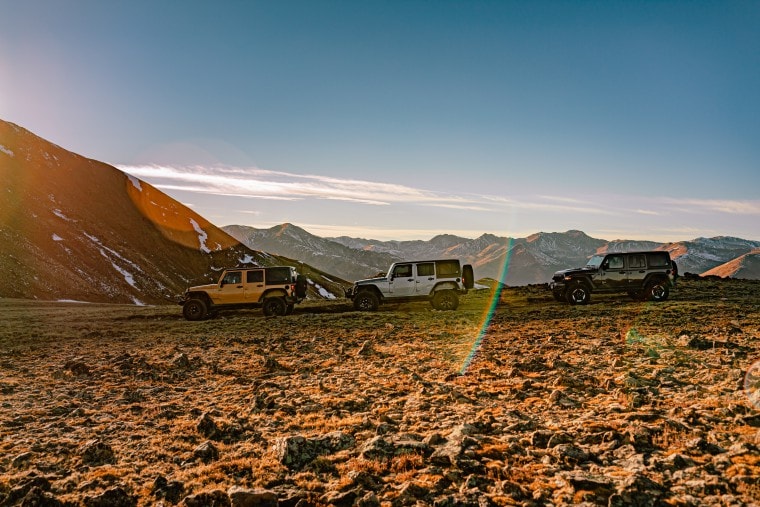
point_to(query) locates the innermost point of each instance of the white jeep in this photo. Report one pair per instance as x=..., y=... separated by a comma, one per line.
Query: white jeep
x=438, y=281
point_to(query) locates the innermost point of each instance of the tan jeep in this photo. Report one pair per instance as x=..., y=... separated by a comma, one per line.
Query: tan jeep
x=274, y=289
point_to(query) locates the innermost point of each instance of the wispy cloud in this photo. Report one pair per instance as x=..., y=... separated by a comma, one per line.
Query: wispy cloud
x=738, y=207
x=258, y=183
x=261, y=183
x=264, y=184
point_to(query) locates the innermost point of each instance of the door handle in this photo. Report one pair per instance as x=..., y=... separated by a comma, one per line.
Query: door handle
x=410, y=280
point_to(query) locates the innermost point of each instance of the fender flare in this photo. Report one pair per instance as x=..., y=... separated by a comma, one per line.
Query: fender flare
x=273, y=293
x=370, y=288
x=444, y=286
x=203, y=296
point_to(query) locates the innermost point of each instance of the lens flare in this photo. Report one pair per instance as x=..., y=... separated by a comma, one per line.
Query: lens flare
x=490, y=310
x=752, y=384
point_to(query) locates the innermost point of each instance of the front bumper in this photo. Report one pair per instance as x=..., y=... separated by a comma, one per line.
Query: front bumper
x=557, y=286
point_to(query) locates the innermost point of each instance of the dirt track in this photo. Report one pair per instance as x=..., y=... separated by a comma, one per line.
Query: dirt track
x=613, y=403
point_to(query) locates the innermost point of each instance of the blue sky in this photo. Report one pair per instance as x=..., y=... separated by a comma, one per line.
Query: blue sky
x=401, y=120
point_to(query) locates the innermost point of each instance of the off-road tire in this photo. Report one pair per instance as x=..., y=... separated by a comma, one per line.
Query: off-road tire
x=289, y=309
x=445, y=300
x=366, y=301
x=578, y=294
x=468, y=276
x=274, y=306
x=194, y=309
x=657, y=291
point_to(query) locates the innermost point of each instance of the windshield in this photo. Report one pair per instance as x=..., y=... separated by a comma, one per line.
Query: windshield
x=595, y=261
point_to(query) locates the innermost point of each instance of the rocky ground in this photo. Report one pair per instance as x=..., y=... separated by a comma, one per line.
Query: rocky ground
x=615, y=403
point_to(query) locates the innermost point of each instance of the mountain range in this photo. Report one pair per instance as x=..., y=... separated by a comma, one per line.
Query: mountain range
x=528, y=260
x=73, y=228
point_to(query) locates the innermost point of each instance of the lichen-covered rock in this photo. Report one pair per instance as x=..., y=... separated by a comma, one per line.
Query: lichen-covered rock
x=97, y=453
x=215, y=498
x=297, y=451
x=112, y=497
x=243, y=497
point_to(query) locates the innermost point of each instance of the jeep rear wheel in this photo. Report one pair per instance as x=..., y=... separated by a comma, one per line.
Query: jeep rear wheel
x=366, y=301
x=445, y=300
x=657, y=291
x=578, y=294
x=195, y=309
x=274, y=306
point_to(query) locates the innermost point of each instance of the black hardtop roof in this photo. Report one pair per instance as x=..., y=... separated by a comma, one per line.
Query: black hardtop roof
x=637, y=252
x=257, y=267
x=430, y=260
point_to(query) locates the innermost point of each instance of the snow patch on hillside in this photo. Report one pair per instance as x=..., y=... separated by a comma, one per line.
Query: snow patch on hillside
x=202, y=236
x=248, y=259
x=56, y=237
x=126, y=274
x=135, y=182
x=60, y=214
x=7, y=151
x=322, y=291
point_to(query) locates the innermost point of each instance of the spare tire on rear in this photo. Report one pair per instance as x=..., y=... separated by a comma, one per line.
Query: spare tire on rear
x=468, y=276
x=301, y=285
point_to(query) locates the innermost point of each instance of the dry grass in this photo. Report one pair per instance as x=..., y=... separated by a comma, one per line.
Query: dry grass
x=140, y=380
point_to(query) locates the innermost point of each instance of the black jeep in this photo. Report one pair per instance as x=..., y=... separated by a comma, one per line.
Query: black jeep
x=643, y=275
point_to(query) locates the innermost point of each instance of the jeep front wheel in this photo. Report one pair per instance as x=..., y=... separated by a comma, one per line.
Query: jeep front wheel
x=578, y=294
x=195, y=309
x=445, y=300
x=366, y=302
x=274, y=306
x=657, y=291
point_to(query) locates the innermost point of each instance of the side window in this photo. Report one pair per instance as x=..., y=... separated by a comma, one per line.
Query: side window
x=426, y=269
x=658, y=260
x=615, y=262
x=279, y=275
x=403, y=270
x=447, y=269
x=232, y=277
x=255, y=276
x=637, y=262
